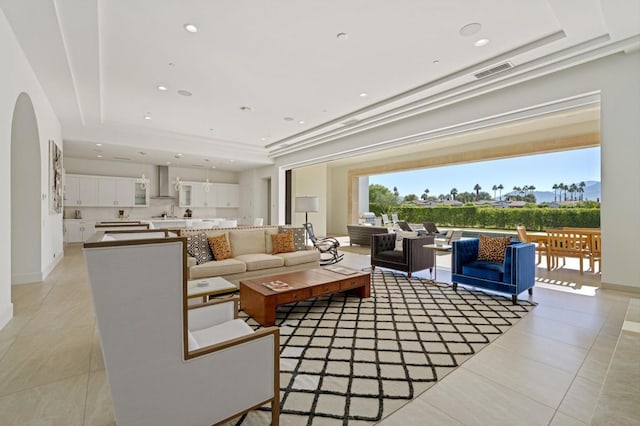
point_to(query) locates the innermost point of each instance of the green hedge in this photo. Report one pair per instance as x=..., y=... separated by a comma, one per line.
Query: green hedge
x=534, y=219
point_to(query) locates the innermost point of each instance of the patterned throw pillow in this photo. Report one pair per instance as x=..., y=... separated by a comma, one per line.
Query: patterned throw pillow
x=198, y=247
x=492, y=249
x=282, y=243
x=220, y=247
x=298, y=236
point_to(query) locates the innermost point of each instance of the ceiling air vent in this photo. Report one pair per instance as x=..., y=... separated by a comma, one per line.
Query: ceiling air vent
x=122, y=158
x=494, y=70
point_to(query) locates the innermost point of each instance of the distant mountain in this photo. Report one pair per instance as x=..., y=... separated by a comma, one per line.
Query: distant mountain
x=591, y=193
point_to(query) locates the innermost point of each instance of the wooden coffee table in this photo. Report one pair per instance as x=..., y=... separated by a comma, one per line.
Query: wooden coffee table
x=260, y=301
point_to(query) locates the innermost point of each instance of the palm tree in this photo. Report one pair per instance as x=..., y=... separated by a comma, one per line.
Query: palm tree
x=494, y=188
x=525, y=189
x=477, y=188
x=581, y=186
x=531, y=189
x=555, y=189
x=500, y=188
x=453, y=192
x=561, y=188
x=517, y=189
x=573, y=189
x=425, y=195
x=565, y=187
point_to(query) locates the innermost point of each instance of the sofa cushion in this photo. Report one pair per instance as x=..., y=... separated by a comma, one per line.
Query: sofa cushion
x=257, y=261
x=298, y=236
x=198, y=247
x=220, y=247
x=484, y=269
x=217, y=268
x=221, y=332
x=492, y=248
x=299, y=257
x=247, y=241
x=282, y=243
x=391, y=256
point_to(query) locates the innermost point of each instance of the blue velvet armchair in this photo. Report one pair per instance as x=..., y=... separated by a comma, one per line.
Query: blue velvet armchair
x=514, y=275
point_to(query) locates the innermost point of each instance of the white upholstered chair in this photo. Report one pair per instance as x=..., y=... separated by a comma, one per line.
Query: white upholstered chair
x=169, y=363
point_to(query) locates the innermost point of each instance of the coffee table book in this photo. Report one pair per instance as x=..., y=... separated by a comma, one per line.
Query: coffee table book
x=277, y=285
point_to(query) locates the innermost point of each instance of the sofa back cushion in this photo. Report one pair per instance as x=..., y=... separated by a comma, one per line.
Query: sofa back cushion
x=247, y=241
x=492, y=248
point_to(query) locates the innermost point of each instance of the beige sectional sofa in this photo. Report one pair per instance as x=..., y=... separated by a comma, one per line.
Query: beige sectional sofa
x=251, y=249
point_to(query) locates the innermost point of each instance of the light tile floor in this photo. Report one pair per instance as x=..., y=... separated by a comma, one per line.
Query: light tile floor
x=547, y=369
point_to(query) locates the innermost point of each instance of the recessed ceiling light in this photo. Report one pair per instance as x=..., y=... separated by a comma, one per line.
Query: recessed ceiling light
x=342, y=36
x=436, y=61
x=288, y=119
x=263, y=139
x=98, y=144
x=161, y=88
x=191, y=28
x=178, y=155
x=470, y=29
x=211, y=129
x=184, y=92
x=363, y=95
x=99, y=156
x=300, y=122
x=245, y=109
x=147, y=117
x=481, y=42
x=171, y=64
x=232, y=161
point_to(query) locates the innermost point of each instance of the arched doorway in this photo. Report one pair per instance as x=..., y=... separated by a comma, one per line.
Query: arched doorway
x=26, y=204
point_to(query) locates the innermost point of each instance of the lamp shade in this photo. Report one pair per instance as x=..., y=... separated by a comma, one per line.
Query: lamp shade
x=307, y=204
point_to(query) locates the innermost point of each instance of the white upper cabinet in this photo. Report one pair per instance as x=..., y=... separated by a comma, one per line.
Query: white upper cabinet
x=116, y=192
x=104, y=191
x=80, y=191
x=227, y=194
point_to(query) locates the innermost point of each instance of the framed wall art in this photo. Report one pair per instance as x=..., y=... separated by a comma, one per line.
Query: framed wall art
x=55, y=178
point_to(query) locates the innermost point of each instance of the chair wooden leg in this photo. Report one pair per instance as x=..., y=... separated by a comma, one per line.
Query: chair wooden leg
x=275, y=411
x=514, y=299
x=409, y=274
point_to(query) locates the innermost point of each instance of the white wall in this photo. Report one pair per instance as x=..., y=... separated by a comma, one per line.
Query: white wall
x=617, y=78
x=16, y=76
x=311, y=181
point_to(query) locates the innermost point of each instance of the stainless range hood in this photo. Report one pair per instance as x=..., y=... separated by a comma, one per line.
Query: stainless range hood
x=164, y=185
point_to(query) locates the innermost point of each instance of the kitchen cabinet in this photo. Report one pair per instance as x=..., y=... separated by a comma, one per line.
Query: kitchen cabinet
x=193, y=194
x=80, y=190
x=227, y=195
x=78, y=230
x=117, y=192
x=140, y=195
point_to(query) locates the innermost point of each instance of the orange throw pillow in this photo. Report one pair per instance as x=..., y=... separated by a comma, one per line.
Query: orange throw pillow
x=282, y=243
x=220, y=247
x=492, y=249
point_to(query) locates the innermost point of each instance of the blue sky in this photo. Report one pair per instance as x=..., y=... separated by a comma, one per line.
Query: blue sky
x=541, y=170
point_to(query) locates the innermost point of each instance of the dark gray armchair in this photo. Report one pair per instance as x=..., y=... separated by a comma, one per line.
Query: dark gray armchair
x=412, y=258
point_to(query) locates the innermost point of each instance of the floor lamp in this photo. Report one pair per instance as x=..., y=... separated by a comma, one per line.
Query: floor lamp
x=306, y=205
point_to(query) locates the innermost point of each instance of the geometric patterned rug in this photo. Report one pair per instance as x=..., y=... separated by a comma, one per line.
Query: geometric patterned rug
x=350, y=361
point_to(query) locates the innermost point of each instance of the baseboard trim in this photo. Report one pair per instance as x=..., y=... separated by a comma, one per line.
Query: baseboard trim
x=52, y=266
x=621, y=287
x=6, y=313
